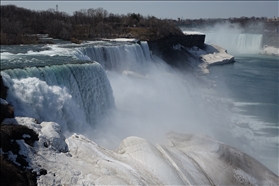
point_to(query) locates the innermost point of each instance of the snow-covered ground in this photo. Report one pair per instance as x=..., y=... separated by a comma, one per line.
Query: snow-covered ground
x=122, y=40
x=192, y=33
x=187, y=160
x=270, y=50
x=201, y=59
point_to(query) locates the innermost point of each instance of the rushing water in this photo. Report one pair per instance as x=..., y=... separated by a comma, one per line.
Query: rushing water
x=127, y=91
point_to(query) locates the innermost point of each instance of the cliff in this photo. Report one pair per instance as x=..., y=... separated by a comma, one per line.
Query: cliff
x=7, y=111
x=165, y=47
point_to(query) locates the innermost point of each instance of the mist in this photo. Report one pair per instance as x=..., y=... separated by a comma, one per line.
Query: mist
x=149, y=102
x=162, y=100
x=236, y=39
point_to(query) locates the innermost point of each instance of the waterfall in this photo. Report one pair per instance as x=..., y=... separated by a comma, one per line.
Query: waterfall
x=73, y=95
x=130, y=56
x=236, y=42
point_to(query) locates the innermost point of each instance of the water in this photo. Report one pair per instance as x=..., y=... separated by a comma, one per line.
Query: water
x=242, y=43
x=251, y=84
x=111, y=90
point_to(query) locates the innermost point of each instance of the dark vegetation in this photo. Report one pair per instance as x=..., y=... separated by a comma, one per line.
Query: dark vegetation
x=18, y=25
x=14, y=174
x=250, y=24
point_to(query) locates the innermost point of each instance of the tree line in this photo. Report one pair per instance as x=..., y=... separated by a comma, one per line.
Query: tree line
x=258, y=24
x=18, y=24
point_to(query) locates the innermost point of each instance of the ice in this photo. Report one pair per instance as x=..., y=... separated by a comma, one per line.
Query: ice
x=52, y=135
x=122, y=40
x=270, y=50
x=189, y=159
x=3, y=102
x=192, y=33
x=201, y=59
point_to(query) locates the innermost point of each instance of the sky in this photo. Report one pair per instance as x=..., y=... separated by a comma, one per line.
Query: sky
x=164, y=9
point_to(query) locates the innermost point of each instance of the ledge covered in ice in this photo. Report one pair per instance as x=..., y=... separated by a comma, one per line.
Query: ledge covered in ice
x=188, y=160
x=192, y=33
x=270, y=50
x=122, y=40
x=201, y=59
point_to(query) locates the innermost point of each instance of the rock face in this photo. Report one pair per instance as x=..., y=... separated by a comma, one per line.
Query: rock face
x=164, y=47
x=209, y=56
x=16, y=172
x=7, y=111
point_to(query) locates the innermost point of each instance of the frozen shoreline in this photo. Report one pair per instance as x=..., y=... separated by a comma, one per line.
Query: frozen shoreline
x=270, y=50
x=201, y=59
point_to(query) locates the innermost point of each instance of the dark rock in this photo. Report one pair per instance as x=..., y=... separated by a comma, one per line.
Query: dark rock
x=43, y=172
x=11, y=133
x=46, y=144
x=76, y=41
x=15, y=175
x=164, y=48
x=16, y=132
x=7, y=111
x=3, y=89
x=12, y=174
x=21, y=160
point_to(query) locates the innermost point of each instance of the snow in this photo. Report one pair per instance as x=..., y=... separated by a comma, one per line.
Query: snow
x=192, y=33
x=270, y=50
x=122, y=40
x=3, y=102
x=201, y=59
x=53, y=137
x=188, y=160
x=133, y=74
x=26, y=136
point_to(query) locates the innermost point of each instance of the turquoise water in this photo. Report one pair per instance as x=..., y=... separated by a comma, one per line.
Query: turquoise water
x=251, y=84
x=253, y=81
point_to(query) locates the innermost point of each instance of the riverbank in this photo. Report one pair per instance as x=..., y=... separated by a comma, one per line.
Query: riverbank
x=270, y=50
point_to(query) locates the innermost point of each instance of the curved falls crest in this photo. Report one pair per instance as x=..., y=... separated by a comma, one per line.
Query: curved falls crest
x=73, y=95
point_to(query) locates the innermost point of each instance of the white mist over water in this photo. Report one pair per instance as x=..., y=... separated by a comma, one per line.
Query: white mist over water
x=150, y=98
x=235, y=39
x=153, y=105
x=155, y=102
x=236, y=43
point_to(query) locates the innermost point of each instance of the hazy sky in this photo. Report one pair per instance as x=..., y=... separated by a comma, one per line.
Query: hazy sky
x=164, y=9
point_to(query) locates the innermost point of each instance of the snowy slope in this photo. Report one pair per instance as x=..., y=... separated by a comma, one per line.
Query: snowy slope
x=201, y=59
x=188, y=160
